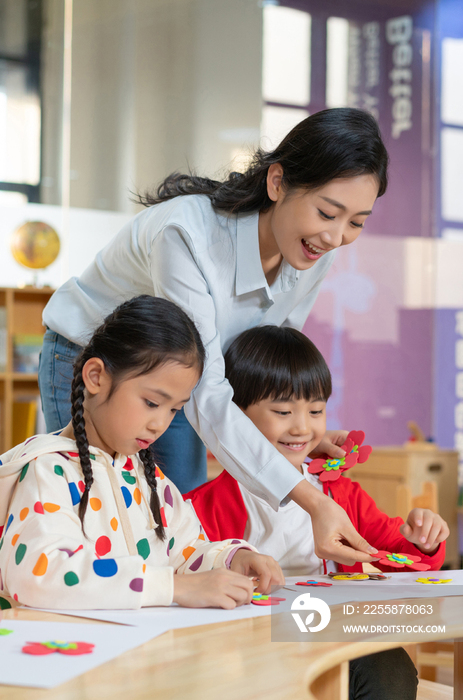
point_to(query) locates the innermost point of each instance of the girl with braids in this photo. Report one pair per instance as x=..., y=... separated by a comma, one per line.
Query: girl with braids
x=89, y=520
x=249, y=251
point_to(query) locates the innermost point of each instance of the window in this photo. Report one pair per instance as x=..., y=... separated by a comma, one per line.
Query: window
x=285, y=71
x=20, y=110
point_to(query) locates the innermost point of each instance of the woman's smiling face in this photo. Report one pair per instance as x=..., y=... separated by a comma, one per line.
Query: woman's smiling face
x=303, y=225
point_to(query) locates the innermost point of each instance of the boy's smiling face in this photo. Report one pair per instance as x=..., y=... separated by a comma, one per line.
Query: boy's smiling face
x=294, y=427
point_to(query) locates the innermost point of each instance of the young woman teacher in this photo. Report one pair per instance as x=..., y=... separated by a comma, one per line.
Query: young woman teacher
x=248, y=251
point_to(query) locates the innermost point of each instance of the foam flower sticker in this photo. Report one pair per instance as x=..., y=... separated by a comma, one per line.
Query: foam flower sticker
x=68, y=648
x=312, y=582
x=401, y=560
x=357, y=577
x=434, y=580
x=260, y=599
x=329, y=469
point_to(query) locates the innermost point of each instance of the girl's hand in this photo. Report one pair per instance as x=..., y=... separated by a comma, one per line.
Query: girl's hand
x=334, y=535
x=425, y=529
x=330, y=444
x=219, y=588
x=259, y=566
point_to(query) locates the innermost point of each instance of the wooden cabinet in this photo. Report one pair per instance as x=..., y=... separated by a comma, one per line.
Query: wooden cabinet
x=389, y=467
x=21, y=314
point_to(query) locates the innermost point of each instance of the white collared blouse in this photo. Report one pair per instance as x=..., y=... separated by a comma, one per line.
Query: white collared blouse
x=208, y=263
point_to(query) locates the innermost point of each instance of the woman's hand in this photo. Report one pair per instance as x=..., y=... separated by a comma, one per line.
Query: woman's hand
x=334, y=535
x=260, y=567
x=330, y=445
x=219, y=588
x=425, y=529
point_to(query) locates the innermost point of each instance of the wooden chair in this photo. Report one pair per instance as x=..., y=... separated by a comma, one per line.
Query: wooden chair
x=430, y=655
x=434, y=691
x=426, y=499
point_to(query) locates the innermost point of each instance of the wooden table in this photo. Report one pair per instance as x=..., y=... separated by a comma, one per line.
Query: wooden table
x=229, y=661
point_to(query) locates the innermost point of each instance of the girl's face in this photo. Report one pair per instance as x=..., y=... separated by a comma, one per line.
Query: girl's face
x=139, y=410
x=294, y=427
x=302, y=225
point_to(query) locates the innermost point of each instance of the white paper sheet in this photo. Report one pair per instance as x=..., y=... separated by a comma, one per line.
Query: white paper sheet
x=399, y=585
x=17, y=668
x=173, y=617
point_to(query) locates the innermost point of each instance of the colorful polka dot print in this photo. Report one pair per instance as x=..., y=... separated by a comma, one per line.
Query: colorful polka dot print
x=71, y=579
x=143, y=548
x=75, y=495
x=103, y=546
x=168, y=496
x=105, y=567
x=196, y=564
x=51, y=507
x=136, y=585
x=20, y=553
x=127, y=496
x=188, y=551
x=40, y=569
x=58, y=570
x=128, y=465
x=23, y=472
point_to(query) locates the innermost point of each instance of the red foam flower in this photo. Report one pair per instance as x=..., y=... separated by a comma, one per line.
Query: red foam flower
x=259, y=599
x=330, y=469
x=363, y=451
x=68, y=648
x=400, y=560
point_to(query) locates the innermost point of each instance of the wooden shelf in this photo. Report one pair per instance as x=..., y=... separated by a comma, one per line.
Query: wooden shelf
x=24, y=309
x=19, y=376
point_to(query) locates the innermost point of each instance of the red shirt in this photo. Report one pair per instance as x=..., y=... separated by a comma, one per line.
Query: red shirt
x=220, y=507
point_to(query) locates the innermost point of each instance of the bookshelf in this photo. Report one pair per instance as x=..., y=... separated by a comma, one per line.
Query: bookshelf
x=20, y=320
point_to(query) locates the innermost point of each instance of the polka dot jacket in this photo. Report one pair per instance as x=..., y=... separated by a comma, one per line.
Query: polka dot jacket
x=47, y=561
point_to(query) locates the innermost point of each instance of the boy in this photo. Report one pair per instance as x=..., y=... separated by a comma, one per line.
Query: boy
x=282, y=383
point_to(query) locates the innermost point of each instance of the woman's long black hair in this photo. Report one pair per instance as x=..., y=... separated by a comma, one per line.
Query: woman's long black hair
x=343, y=142
x=138, y=336
x=271, y=362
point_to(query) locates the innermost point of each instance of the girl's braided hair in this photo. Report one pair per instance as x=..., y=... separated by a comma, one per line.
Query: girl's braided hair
x=138, y=336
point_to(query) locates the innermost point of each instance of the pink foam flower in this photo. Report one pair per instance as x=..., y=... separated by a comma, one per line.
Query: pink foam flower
x=330, y=469
x=68, y=648
x=400, y=560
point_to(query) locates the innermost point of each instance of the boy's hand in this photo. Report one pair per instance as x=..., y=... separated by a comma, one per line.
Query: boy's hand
x=331, y=444
x=425, y=529
x=260, y=566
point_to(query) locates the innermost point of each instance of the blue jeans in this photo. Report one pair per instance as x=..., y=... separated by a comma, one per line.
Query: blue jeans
x=179, y=452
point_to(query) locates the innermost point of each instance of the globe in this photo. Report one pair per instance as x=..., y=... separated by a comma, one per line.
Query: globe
x=35, y=244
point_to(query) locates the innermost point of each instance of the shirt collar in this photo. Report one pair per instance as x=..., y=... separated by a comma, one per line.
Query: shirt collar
x=249, y=273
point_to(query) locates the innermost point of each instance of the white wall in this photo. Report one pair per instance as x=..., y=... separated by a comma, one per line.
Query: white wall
x=89, y=231
x=157, y=85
